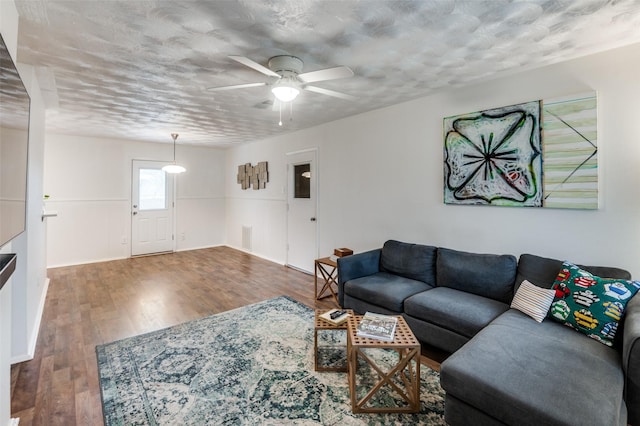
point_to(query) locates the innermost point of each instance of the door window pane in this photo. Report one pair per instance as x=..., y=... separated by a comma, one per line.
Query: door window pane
x=153, y=189
x=302, y=181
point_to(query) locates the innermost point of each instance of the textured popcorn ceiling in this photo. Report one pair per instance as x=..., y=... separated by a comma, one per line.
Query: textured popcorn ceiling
x=139, y=69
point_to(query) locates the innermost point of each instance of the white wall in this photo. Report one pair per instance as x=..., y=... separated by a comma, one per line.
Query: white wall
x=28, y=299
x=21, y=298
x=265, y=209
x=5, y=353
x=381, y=175
x=9, y=31
x=89, y=184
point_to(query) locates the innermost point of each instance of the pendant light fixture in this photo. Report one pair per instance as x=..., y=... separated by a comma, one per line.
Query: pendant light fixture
x=174, y=168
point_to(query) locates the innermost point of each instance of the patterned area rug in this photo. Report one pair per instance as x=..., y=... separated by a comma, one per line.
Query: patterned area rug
x=248, y=366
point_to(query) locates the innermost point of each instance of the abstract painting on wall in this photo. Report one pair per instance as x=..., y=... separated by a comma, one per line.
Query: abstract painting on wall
x=494, y=157
x=535, y=154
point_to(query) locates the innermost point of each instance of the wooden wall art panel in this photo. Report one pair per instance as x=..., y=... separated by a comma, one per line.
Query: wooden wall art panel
x=253, y=176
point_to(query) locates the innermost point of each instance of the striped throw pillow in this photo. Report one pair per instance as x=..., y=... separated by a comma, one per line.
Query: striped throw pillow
x=533, y=300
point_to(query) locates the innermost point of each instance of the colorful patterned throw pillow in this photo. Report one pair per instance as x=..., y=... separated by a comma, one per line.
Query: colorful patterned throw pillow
x=590, y=304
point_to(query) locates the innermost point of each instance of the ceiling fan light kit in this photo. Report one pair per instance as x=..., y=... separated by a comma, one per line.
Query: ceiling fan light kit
x=285, y=93
x=286, y=89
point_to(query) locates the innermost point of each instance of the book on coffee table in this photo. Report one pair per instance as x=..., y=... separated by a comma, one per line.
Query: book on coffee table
x=377, y=326
x=337, y=320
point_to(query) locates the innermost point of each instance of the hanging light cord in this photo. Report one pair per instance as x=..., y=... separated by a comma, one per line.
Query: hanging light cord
x=174, y=136
x=290, y=111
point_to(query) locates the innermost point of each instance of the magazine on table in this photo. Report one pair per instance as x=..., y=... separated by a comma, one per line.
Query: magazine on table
x=377, y=326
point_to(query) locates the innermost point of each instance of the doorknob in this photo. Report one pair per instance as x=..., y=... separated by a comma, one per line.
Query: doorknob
x=135, y=213
x=313, y=219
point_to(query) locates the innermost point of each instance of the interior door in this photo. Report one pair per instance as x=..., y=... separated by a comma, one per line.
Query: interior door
x=152, y=207
x=302, y=245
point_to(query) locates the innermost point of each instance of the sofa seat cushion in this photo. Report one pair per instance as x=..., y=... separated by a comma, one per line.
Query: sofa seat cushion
x=523, y=372
x=454, y=310
x=384, y=289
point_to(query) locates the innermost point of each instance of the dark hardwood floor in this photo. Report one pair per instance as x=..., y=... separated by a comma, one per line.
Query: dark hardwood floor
x=89, y=305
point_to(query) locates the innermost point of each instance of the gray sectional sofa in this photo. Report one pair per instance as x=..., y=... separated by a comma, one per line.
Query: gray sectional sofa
x=505, y=368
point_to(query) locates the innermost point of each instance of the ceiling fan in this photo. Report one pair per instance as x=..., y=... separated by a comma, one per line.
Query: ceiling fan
x=290, y=79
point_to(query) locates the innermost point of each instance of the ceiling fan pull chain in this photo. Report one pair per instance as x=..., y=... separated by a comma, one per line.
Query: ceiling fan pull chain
x=280, y=122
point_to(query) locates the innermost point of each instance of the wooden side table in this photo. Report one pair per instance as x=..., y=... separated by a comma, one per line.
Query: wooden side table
x=321, y=324
x=329, y=272
x=403, y=378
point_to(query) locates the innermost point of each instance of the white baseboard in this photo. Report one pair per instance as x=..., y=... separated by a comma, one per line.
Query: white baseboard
x=110, y=259
x=199, y=247
x=31, y=350
x=88, y=262
x=279, y=262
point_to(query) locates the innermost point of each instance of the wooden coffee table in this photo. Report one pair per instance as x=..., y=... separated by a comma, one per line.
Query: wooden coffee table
x=403, y=377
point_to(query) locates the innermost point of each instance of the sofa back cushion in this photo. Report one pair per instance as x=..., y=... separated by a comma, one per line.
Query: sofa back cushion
x=414, y=261
x=542, y=271
x=488, y=275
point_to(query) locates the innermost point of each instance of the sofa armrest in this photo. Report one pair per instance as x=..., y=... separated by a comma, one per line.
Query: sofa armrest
x=356, y=266
x=631, y=360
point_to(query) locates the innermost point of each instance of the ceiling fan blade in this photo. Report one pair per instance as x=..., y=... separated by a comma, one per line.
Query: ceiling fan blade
x=330, y=93
x=326, y=74
x=256, y=66
x=235, y=86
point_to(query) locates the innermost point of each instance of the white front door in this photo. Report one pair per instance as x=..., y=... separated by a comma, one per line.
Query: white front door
x=151, y=208
x=302, y=246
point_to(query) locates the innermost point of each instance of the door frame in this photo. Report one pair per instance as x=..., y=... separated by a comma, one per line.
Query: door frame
x=289, y=187
x=173, y=203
